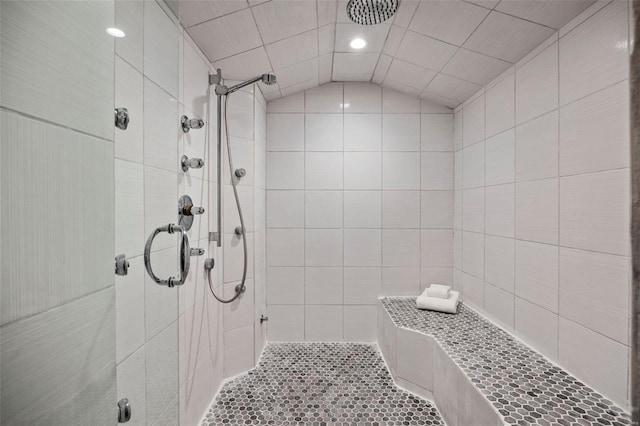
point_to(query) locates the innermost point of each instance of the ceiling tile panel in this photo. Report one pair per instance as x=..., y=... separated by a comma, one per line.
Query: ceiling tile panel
x=297, y=73
x=194, y=12
x=405, y=13
x=279, y=19
x=229, y=35
x=393, y=40
x=449, y=21
x=326, y=36
x=409, y=74
x=475, y=67
x=506, y=37
x=375, y=36
x=552, y=13
x=294, y=49
x=451, y=87
x=327, y=11
x=425, y=51
x=245, y=65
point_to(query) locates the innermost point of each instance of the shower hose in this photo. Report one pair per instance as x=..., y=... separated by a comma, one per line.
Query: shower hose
x=240, y=288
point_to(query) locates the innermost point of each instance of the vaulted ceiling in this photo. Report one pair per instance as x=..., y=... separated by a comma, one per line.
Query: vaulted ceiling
x=442, y=50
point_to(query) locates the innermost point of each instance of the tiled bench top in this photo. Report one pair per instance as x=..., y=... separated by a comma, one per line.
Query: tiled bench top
x=523, y=386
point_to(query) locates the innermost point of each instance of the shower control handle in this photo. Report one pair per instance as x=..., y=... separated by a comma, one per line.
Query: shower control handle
x=191, y=163
x=240, y=173
x=188, y=124
x=185, y=254
x=192, y=210
x=196, y=252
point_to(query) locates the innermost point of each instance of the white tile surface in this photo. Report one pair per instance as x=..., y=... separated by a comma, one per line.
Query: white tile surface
x=161, y=37
x=328, y=98
x=473, y=209
x=401, y=132
x=473, y=164
x=362, y=170
x=401, y=281
x=585, y=71
x=436, y=132
x=473, y=122
x=362, y=285
x=362, y=209
x=238, y=350
x=585, y=300
x=360, y=323
x=286, y=323
x=536, y=276
x=401, y=170
x=323, y=132
x=323, y=170
x=285, y=209
x=437, y=171
x=537, y=211
x=323, y=323
x=500, y=262
x=362, y=98
x=584, y=352
x=500, y=158
x=285, y=285
x=436, y=248
x=451, y=22
x=483, y=70
x=281, y=20
x=285, y=132
x=323, y=247
x=500, y=105
x=436, y=209
x=594, y=212
x=285, y=170
x=500, y=210
x=323, y=209
x=129, y=208
x=500, y=305
x=285, y=247
x=594, y=132
x=323, y=285
x=130, y=19
x=473, y=254
x=537, y=85
x=362, y=132
x=292, y=50
x=537, y=148
x=362, y=247
x=537, y=327
x=415, y=358
x=128, y=84
x=399, y=103
x=550, y=13
x=161, y=128
x=425, y=51
x=400, y=247
x=401, y=209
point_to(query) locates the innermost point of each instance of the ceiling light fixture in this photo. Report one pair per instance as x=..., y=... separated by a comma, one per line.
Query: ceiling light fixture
x=115, y=32
x=357, y=43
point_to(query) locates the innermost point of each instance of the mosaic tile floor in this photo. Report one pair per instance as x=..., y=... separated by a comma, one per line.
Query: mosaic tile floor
x=520, y=383
x=319, y=384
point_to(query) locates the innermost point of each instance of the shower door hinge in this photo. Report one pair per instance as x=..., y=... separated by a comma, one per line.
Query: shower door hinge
x=214, y=236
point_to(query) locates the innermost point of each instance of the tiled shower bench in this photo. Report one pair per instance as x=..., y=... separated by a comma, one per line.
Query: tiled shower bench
x=480, y=375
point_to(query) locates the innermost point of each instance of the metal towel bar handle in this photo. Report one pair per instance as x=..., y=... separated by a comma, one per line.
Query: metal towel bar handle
x=185, y=253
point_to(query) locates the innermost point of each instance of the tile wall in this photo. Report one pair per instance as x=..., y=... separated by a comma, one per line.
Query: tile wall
x=359, y=204
x=541, y=238
x=176, y=345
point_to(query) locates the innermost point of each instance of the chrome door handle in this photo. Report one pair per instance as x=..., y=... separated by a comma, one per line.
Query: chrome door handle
x=185, y=254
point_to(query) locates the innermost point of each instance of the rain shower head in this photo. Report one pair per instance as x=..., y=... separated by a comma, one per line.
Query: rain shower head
x=371, y=12
x=269, y=79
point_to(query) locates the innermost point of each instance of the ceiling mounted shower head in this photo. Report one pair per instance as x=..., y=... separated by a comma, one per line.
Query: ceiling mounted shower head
x=269, y=79
x=371, y=12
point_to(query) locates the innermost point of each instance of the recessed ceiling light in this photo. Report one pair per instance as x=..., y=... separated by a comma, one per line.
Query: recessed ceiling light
x=357, y=43
x=115, y=32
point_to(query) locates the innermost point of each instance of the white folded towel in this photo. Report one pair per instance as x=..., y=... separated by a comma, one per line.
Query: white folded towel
x=449, y=305
x=438, y=290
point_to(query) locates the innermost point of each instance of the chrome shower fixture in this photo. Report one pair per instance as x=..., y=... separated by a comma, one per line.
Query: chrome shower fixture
x=222, y=89
x=188, y=124
x=191, y=163
x=371, y=12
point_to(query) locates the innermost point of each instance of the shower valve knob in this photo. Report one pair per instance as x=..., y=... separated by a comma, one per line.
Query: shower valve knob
x=192, y=210
x=121, y=118
x=240, y=173
x=196, y=252
x=191, y=163
x=188, y=124
x=238, y=230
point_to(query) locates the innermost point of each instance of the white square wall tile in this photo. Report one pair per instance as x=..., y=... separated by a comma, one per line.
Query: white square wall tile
x=323, y=323
x=362, y=209
x=362, y=132
x=286, y=323
x=285, y=247
x=400, y=247
x=415, y=357
x=323, y=247
x=436, y=132
x=362, y=247
x=594, y=212
x=473, y=165
x=285, y=285
x=473, y=122
x=436, y=248
x=291, y=103
x=401, y=132
x=537, y=85
x=285, y=170
x=436, y=171
x=285, y=209
x=473, y=254
x=457, y=130
x=161, y=128
x=400, y=281
x=401, y=209
x=323, y=209
x=584, y=71
x=362, y=98
x=500, y=305
x=238, y=350
x=499, y=262
x=500, y=105
x=129, y=208
x=401, y=170
x=537, y=148
x=285, y=132
x=584, y=352
x=362, y=285
x=585, y=300
x=323, y=170
x=129, y=94
x=129, y=293
x=500, y=158
x=435, y=275
x=362, y=170
x=323, y=132
x=395, y=102
x=436, y=209
x=536, y=276
x=360, y=323
x=537, y=327
x=130, y=19
x=472, y=291
x=326, y=98
x=537, y=211
x=449, y=22
x=161, y=37
x=500, y=210
x=323, y=285
x=594, y=132
x=473, y=209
